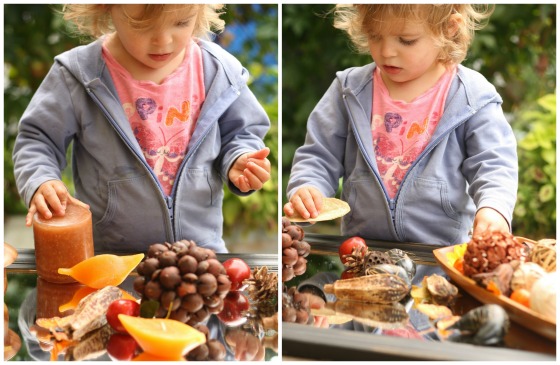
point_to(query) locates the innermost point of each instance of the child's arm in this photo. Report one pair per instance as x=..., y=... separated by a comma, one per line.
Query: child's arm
x=251, y=170
x=307, y=201
x=50, y=199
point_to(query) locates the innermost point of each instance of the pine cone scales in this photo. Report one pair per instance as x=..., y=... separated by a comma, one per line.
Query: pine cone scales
x=263, y=290
x=486, y=252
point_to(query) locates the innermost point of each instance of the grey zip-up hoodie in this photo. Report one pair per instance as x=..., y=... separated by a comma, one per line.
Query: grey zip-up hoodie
x=78, y=102
x=470, y=162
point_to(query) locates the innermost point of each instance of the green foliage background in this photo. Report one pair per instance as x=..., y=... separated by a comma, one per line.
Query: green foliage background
x=516, y=51
x=34, y=34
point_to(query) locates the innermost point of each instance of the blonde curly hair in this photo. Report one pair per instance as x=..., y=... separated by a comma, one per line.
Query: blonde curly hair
x=363, y=20
x=94, y=20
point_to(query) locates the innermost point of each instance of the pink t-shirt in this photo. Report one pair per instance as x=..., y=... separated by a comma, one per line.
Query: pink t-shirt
x=162, y=116
x=402, y=130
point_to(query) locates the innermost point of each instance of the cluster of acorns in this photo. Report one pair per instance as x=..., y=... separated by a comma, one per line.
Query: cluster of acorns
x=187, y=280
x=295, y=307
x=212, y=350
x=294, y=250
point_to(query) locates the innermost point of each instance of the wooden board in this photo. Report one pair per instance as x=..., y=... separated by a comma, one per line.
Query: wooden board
x=518, y=313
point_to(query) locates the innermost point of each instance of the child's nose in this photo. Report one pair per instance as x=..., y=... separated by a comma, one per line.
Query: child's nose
x=161, y=37
x=387, y=49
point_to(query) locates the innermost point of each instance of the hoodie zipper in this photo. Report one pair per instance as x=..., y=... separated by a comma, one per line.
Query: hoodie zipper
x=168, y=200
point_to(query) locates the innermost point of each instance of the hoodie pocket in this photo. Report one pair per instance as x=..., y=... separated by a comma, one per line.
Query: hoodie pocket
x=133, y=215
x=428, y=213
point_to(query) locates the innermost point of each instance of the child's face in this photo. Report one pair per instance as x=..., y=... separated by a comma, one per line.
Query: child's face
x=159, y=44
x=405, y=53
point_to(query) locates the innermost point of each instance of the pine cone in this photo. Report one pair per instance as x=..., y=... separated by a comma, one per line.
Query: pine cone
x=263, y=290
x=486, y=252
x=358, y=263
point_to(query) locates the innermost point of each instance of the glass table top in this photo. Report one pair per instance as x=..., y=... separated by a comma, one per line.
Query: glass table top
x=28, y=297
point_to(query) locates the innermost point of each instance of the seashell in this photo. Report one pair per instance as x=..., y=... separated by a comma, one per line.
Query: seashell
x=543, y=296
x=389, y=269
x=402, y=259
x=441, y=290
x=525, y=275
x=484, y=325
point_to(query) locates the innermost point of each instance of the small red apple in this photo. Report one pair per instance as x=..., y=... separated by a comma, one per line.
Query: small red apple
x=124, y=306
x=235, y=305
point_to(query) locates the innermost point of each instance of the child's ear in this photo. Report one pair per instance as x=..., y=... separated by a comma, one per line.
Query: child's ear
x=453, y=24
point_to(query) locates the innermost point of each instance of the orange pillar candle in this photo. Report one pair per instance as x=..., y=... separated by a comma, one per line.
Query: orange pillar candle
x=62, y=242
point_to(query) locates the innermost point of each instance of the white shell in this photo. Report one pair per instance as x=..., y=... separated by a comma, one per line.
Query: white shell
x=543, y=295
x=525, y=275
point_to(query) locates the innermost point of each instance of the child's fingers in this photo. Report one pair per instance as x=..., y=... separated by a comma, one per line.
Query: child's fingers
x=304, y=205
x=264, y=163
x=317, y=197
x=30, y=214
x=260, y=154
x=242, y=184
x=55, y=196
x=288, y=209
x=75, y=201
x=260, y=173
x=41, y=206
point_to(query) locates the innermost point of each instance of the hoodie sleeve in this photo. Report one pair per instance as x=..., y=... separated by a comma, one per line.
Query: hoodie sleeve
x=491, y=165
x=319, y=162
x=242, y=127
x=44, y=132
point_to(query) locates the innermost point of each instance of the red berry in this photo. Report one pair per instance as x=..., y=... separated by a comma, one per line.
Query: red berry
x=121, y=347
x=348, y=246
x=235, y=304
x=125, y=306
x=237, y=270
x=347, y=274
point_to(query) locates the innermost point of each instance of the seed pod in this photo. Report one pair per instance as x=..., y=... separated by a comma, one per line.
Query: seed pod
x=139, y=284
x=185, y=289
x=289, y=256
x=187, y=264
x=199, y=353
x=156, y=249
x=192, y=303
x=207, y=284
x=167, y=258
x=170, y=277
x=286, y=240
x=216, y=350
x=152, y=290
x=215, y=267
x=303, y=248
x=150, y=265
x=287, y=273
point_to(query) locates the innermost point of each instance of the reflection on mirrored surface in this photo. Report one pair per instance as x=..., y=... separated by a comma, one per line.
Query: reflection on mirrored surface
x=313, y=315
x=253, y=336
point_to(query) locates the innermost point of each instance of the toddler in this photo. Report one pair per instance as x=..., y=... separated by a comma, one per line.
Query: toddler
x=420, y=141
x=159, y=118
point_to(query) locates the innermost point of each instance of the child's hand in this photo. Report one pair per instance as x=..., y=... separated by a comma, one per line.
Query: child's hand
x=307, y=201
x=488, y=219
x=51, y=198
x=251, y=170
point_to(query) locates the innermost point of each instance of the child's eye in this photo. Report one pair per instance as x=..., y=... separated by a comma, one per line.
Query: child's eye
x=183, y=23
x=407, y=42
